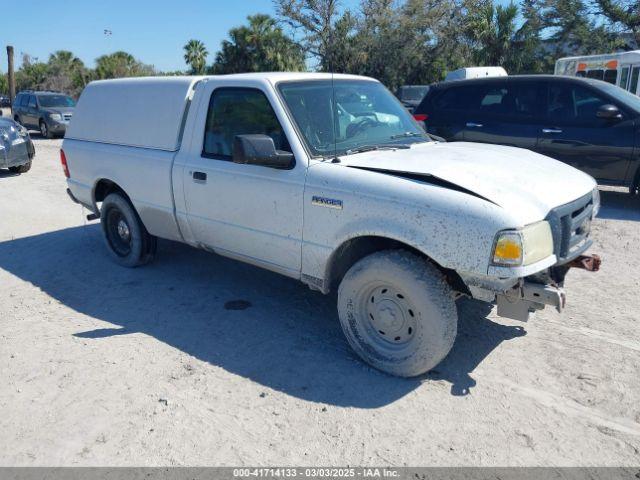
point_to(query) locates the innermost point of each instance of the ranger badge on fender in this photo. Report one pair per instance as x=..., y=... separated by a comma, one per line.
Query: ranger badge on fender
x=326, y=202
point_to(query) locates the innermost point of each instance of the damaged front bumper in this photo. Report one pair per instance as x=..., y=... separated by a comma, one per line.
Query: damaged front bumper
x=519, y=298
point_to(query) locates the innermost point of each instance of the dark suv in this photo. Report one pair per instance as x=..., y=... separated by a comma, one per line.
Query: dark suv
x=49, y=112
x=590, y=124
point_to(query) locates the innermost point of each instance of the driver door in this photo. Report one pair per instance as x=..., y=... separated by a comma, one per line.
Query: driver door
x=250, y=212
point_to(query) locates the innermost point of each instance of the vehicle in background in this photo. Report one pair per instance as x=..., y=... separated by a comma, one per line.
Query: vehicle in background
x=4, y=102
x=48, y=112
x=16, y=147
x=589, y=124
x=475, y=72
x=621, y=69
x=411, y=95
x=328, y=179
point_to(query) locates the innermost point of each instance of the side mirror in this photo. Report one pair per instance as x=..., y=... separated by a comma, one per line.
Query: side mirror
x=256, y=149
x=609, y=112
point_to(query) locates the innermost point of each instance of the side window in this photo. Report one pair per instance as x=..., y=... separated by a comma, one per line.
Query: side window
x=597, y=74
x=17, y=100
x=574, y=104
x=32, y=101
x=239, y=111
x=633, y=84
x=515, y=99
x=24, y=101
x=457, y=98
x=624, y=77
x=611, y=76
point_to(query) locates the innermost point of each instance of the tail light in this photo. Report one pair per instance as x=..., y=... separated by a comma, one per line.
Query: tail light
x=421, y=117
x=63, y=161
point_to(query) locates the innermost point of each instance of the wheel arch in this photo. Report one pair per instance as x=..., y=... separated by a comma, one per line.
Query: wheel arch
x=104, y=187
x=358, y=247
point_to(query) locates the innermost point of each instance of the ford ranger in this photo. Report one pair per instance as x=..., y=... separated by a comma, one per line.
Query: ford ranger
x=329, y=180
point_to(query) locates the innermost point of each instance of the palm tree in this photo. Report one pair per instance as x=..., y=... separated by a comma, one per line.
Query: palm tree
x=258, y=47
x=195, y=55
x=492, y=30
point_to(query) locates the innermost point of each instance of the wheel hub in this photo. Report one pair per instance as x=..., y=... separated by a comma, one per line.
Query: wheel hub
x=391, y=315
x=123, y=230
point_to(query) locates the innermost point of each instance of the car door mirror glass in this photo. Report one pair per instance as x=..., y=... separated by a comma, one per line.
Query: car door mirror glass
x=258, y=149
x=608, y=112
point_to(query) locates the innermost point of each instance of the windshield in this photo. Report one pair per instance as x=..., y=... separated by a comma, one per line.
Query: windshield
x=627, y=98
x=48, y=101
x=345, y=116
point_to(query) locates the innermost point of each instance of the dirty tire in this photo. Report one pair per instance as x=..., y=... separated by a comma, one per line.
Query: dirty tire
x=21, y=168
x=125, y=236
x=397, y=312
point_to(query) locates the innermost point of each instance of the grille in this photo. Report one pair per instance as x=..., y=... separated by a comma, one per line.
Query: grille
x=67, y=116
x=571, y=225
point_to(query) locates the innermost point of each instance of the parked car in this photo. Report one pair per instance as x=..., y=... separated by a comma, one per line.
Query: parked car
x=252, y=166
x=4, y=102
x=16, y=147
x=412, y=95
x=588, y=124
x=475, y=72
x=48, y=112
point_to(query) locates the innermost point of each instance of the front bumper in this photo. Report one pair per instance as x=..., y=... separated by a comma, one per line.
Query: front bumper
x=59, y=128
x=536, y=292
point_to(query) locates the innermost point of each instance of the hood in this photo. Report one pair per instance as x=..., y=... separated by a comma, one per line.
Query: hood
x=525, y=183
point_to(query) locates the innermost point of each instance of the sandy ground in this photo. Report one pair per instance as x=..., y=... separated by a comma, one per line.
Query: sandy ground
x=101, y=365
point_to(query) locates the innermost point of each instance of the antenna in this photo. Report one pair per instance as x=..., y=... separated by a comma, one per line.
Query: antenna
x=334, y=111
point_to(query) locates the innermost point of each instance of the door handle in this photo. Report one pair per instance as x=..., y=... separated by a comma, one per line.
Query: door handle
x=551, y=130
x=474, y=125
x=200, y=176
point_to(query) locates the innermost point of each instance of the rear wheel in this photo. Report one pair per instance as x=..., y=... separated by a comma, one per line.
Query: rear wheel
x=21, y=168
x=126, y=238
x=397, y=312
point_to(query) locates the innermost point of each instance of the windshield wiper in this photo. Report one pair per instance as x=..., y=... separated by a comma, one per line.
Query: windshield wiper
x=369, y=148
x=407, y=135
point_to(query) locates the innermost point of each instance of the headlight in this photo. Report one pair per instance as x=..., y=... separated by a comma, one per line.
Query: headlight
x=55, y=116
x=596, y=202
x=526, y=246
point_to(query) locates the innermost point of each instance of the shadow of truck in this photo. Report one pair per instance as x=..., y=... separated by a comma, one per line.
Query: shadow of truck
x=288, y=339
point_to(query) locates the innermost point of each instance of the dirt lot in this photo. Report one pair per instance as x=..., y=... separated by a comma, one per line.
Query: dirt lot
x=101, y=365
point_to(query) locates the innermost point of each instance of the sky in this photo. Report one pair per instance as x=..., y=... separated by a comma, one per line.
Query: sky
x=152, y=31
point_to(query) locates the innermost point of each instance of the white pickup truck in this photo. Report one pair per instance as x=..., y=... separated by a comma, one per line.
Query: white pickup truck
x=327, y=179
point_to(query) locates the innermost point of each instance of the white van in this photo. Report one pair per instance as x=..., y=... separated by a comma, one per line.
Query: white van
x=621, y=69
x=475, y=72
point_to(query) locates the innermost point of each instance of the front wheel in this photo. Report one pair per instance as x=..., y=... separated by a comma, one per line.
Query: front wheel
x=21, y=168
x=126, y=238
x=44, y=130
x=397, y=312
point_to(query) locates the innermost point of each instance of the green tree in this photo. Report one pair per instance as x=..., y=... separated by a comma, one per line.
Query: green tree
x=491, y=30
x=66, y=73
x=624, y=13
x=257, y=47
x=324, y=28
x=4, y=84
x=195, y=55
x=120, y=64
x=572, y=30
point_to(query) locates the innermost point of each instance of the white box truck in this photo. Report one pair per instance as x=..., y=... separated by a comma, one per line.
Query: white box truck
x=329, y=180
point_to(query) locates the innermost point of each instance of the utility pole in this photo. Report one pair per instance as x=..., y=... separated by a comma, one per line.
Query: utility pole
x=12, y=79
